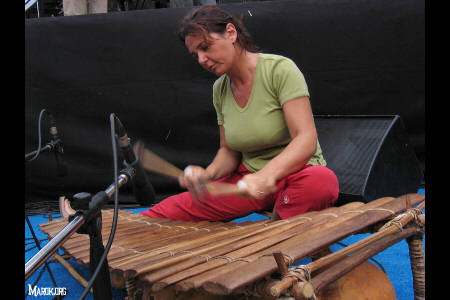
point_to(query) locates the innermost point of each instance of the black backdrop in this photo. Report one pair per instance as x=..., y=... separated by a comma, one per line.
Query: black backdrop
x=358, y=57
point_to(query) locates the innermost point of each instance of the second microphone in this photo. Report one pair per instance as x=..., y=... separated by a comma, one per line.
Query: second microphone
x=142, y=188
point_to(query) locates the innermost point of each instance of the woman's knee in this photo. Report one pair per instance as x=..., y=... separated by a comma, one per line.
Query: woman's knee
x=318, y=181
x=313, y=188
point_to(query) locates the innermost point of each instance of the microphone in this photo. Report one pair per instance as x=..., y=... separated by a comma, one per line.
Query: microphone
x=142, y=188
x=58, y=148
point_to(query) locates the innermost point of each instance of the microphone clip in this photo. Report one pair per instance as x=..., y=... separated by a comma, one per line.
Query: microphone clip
x=131, y=165
x=56, y=145
x=128, y=171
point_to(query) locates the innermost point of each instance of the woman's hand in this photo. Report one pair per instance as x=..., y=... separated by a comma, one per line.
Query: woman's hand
x=194, y=180
x=257, y=185
x=194, y=176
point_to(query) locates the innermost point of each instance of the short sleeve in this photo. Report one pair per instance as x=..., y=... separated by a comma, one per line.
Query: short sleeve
x=289, y=81
x=217, y=101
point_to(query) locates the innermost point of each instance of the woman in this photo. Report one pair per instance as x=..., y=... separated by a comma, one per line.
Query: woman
x=268, y=140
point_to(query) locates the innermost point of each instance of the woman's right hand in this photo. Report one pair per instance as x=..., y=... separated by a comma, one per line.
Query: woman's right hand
x=194, y=176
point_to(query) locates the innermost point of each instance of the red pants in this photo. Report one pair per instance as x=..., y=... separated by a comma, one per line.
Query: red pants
x=312, y=188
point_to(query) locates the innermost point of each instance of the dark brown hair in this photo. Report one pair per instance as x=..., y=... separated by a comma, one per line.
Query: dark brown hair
x=211, y=19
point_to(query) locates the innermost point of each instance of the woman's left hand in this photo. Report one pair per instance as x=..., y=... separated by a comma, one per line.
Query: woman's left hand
x=258, y=186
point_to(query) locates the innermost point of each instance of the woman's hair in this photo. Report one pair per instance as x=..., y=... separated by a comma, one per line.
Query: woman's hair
x=208, y=19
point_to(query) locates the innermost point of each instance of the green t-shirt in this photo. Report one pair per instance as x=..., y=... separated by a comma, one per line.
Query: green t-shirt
x=259, y=130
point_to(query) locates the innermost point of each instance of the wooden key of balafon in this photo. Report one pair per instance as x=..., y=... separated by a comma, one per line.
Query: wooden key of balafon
x=152, y=162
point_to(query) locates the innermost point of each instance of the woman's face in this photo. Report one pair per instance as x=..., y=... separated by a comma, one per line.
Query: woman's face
x=215, y=55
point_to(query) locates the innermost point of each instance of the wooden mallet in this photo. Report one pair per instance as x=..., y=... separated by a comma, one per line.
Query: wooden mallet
x=152, y=162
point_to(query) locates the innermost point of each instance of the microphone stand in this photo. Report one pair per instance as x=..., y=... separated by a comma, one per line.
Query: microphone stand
x=86, y=220
x=48, y=147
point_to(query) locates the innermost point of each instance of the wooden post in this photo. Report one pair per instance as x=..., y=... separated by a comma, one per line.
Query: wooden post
x=416, y=255
x=97, y=6
x=74, y=7
x=84, y=7
x=285, y=272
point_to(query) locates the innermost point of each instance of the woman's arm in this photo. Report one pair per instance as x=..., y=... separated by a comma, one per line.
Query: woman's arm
x=225, y=162
x=300, y=122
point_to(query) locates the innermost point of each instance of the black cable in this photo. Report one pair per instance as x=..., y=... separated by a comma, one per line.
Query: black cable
x=116, y=201
x=39, y=135
x=29, y=249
